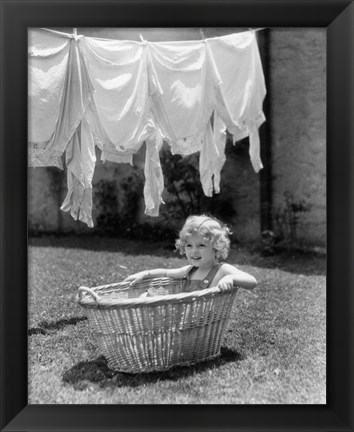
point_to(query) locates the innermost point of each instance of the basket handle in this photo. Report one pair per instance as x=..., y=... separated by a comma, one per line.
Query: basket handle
x=83, y=289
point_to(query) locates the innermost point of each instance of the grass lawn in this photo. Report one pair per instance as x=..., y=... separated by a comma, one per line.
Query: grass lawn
x=274, y=351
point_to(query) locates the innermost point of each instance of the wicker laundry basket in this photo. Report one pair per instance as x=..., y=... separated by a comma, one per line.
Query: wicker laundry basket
x=153, y=325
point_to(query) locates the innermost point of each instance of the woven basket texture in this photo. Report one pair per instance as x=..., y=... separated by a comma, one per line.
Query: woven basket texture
x=154, y=325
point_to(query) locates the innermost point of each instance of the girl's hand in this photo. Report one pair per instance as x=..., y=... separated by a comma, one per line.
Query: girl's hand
x=135, y=278
x=226, y=283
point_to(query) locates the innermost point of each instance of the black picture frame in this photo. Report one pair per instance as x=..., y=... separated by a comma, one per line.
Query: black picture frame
x=16, y=17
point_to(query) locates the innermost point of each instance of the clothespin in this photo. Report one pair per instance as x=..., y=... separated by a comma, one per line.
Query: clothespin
x=75, y=36
x=254, y=31
x=257, y=29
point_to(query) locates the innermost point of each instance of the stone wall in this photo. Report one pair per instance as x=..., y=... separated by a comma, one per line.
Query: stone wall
x=298, y=130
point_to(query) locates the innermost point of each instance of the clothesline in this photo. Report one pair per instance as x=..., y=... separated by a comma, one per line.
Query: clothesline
x=74, y=33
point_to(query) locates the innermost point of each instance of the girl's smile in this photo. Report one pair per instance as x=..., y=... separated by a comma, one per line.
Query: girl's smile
x=199, y=251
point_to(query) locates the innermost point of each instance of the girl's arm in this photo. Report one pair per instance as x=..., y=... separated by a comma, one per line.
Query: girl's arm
x=232, y=276
x=173, y=273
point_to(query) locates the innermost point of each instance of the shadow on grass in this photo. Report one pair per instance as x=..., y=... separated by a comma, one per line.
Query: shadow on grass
x=46, y=327
x=98, y=372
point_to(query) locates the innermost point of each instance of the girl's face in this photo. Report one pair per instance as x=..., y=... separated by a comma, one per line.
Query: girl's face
x=199, y=252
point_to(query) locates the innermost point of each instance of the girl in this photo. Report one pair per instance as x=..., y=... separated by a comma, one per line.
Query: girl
x=205, y=242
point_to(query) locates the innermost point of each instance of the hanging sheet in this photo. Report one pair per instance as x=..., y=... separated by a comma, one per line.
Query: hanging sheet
x=86, y=92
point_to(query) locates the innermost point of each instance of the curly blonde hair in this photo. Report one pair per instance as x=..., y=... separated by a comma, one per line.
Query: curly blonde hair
x=214, y=232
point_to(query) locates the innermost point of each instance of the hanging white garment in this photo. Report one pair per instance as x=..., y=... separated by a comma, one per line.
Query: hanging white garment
x=80, y=161
x=183, y=72
x=153, y=175
x=242, y=88
x=118, y=72
x=59, y=98
x=47, y=69
x=208, y=154
x=124, y=93
x=60, y=91
x=212, y=157
x=123, y=117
